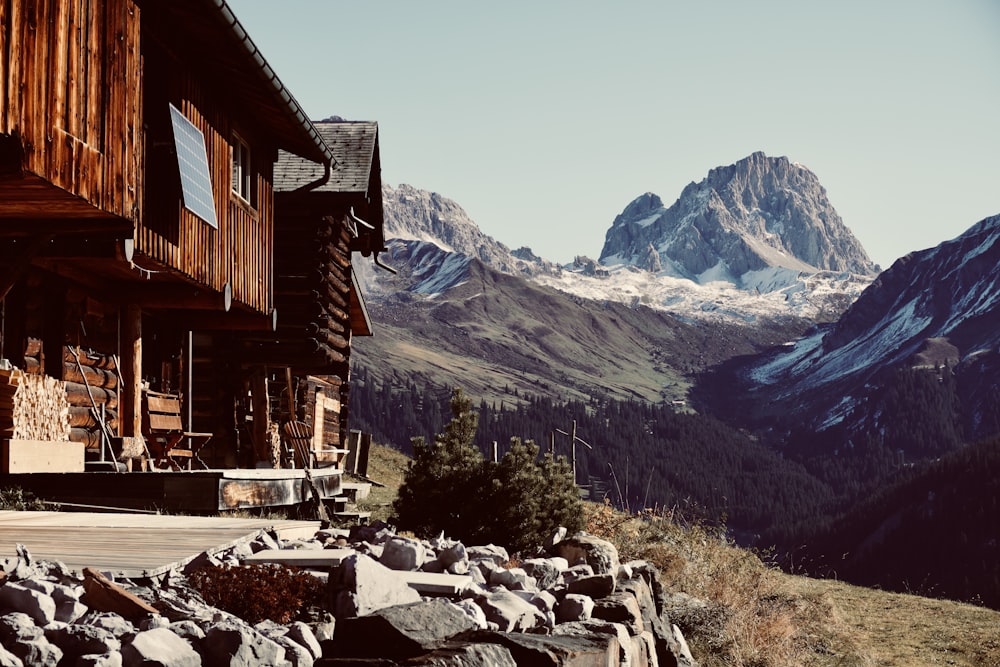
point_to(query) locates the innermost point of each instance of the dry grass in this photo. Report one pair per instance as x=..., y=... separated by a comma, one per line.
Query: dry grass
x=756, y=616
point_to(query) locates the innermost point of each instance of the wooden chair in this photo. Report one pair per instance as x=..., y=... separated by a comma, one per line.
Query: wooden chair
x=165, y=434
x=298, y=438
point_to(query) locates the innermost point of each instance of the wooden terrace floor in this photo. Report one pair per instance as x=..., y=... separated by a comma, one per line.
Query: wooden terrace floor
x=132, y=545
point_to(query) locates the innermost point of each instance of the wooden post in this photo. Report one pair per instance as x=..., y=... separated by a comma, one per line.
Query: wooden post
x=496, y=453
x=261, y=414
x=552, y=443
x=130, y=396
x=364, y=447
x=572, y=439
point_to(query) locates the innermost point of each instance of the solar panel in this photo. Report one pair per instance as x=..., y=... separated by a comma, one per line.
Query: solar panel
x=192, y=160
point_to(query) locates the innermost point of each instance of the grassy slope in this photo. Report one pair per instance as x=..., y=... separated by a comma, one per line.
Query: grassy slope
x=763, y=618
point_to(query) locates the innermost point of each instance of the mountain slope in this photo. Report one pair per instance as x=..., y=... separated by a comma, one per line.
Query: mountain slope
x=760, y=213
x=933, y=309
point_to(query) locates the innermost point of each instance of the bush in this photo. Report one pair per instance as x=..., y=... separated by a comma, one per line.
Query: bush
x=450, y=487
x=259, y=592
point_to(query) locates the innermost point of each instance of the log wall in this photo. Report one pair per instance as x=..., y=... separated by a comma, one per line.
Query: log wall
x=71, y=72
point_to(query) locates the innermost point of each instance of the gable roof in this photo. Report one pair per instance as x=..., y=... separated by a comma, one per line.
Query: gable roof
x=354, y=145
x=208, y=36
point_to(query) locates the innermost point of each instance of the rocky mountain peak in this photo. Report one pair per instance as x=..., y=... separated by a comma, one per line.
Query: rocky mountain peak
x=757, y=214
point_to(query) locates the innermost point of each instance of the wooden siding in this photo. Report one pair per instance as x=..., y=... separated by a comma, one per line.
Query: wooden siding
x=71, y=73
x=240, y=251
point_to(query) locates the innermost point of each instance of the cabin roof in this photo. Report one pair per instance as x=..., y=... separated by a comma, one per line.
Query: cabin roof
x=208, y=35
x=353, y=144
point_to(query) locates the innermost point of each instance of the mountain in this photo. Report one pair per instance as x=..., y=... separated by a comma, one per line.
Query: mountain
x=934, y=313
x=737, y=225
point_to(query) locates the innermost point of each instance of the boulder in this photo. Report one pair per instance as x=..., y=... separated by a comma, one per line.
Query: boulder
x=21, y=637
x=303, y=635
x=400, y=632
x=295, y=653
x=574, y=607
x=537, y=650
x=585, y=548
x=595, y=586
x=620, y=608
x=545, y=571
x=160, y=647
x=15, y=597
x=113, y=623
x=361, y=586
x=100, y=660
x=491, y=552
x=234, y=644
x=510, y=612
x=512, y=579
x=403, y=553
x=77, y=640
x=376, y=532
x=455, y=654
x=452, y=554
x=8, y=659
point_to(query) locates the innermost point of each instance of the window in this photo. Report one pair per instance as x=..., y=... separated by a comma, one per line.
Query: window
x=242, y=173
x=192, y=161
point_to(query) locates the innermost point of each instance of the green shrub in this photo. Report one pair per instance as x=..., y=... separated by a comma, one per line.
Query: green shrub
x=259, y=592
x=450, y=487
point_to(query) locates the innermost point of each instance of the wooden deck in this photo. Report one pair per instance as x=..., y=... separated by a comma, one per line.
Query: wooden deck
x=193, y=491
x=132, y=545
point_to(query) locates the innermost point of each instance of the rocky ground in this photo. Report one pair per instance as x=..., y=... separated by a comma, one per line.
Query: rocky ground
x=576, y=605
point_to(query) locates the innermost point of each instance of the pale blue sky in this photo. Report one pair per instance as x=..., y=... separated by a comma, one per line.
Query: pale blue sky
x=543, y=120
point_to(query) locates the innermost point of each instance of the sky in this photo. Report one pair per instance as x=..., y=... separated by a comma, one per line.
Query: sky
x=544, y=119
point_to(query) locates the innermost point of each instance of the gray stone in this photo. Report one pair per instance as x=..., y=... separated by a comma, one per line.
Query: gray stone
x=595, y=586
x=534, y=649
x=557, y=536
x=683, y=655
x=545, y=571
x=154, y=622
x=620, y=608
x=295, y=653
x=403, y=553
x=160, y=647
x=473, y=611
x=237, y=645
x=263, y=541
x=113, y=623
x=491, y=552
x=20, y=636
x=8, y=659
x=574, y=607
x=627, y=653
x=453, y=554
x=399, y=633
x=103, y=660
x=454, y=654
x=575, y=572
x=544, y=600
x=376, y=532
x=77, y=640
x=303, y=635
x=38, y=605
x=509, y=612
x=585, y=548
x=512, y=579
x=360, y=586
x=188, y=630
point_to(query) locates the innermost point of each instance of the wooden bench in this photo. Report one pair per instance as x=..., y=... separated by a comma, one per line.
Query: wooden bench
x=165, y=434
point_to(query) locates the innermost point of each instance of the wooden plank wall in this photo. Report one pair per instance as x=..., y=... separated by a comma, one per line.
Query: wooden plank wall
x=240, y=250
x=71, y=74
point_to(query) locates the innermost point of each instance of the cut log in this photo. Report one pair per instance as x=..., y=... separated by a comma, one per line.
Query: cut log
x=95, y=377
x=76, y=394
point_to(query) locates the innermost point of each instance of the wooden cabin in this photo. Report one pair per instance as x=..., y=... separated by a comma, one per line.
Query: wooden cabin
x=138, y=227
x=320, y=227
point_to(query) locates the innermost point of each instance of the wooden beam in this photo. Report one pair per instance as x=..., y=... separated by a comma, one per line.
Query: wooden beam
x=180, y=297
x=206, y=320
x=131, y=368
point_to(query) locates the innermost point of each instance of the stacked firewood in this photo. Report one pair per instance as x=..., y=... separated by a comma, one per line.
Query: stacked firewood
x=33, y=407
x=92, y=393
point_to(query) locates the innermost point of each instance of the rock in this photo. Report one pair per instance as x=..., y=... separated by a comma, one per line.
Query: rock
x=473, y=611
x=490, y=552
x=103, y=660
x=544, y=601
x=295, y=653
x=532, y=649
x=376, y=532
x=627, y=656
x=20, y=636
x=263, y=542
x=113, y=623
x=8, y=659
x=160, y=647
x=238, y=645
x=200, y=562
x=595, y=586
x=683, y=655
x=513, y=579
x=584, y=548
x=78, y=640
x=571, y=574
x=545, y=571
x=188, y=630
x=103, y=595
x=360, y=586
x=620, y=608
x=15, y=597
x=453, y=554
x=574, y=607
x=557, y=536
x=303, y=635
x=509, y=612
x=403, y=553
x=454, y=654
x=400, y=632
